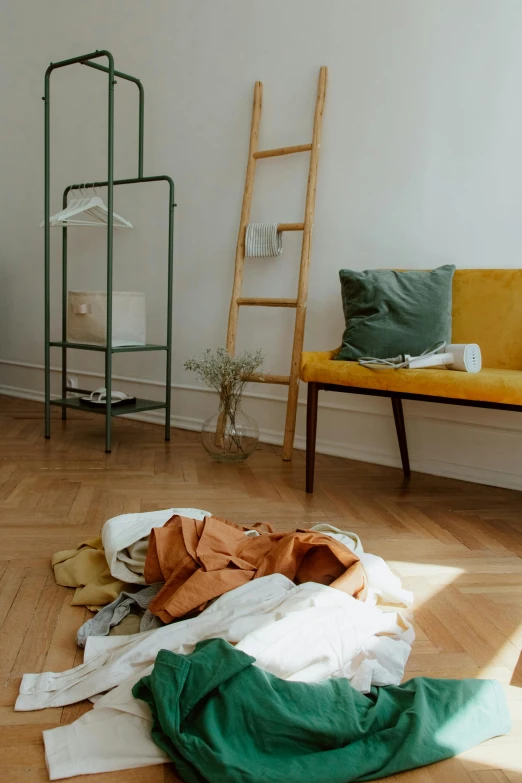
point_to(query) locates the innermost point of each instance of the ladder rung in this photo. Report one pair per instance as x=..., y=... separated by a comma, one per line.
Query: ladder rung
x=282, y=151
x=290, y=227
x=282, y=379
x=257, y=301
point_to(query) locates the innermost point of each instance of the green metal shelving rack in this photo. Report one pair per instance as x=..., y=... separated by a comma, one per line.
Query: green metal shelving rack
x=140, y=405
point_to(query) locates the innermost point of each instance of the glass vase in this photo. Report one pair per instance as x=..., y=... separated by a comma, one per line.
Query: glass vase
x=230, y=435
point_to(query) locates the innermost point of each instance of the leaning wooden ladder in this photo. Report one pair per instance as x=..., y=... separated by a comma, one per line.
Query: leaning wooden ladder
x=291, y=380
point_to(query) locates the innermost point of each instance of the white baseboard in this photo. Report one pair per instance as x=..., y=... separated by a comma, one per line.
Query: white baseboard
x=357, y=451
x=332, y=448
x=265, y=435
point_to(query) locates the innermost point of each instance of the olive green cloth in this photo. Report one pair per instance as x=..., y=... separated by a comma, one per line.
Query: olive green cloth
x=86, y=569
x=223, y=720
x=388, y=312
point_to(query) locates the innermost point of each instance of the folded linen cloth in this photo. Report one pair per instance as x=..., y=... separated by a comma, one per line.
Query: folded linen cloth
x=111, y=615
x=263, y=240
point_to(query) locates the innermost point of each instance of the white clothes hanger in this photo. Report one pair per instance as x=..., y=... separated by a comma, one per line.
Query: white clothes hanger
x=79, y=209
x=73, y=203
x=95, y=207
x=60, y=217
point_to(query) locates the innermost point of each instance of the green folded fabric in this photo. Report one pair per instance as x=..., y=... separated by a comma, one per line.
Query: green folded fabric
x=223, y=720
x=388, y=313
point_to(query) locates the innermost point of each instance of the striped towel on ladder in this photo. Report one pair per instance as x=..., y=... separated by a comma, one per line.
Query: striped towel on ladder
x=263, y=240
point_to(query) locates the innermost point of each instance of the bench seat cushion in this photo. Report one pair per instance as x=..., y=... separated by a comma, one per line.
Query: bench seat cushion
x=489, y=385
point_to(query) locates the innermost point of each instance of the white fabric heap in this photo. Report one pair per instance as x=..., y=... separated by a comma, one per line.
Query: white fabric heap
x=384, y=587
x=308, y=633
x=126, y=538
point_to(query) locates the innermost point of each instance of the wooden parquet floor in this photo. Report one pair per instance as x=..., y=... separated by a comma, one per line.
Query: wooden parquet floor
x=458, y=546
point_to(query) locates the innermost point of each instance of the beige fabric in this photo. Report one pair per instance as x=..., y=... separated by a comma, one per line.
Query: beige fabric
x=201, y=560
x=128, y=626
x=135, y=555
x=86, y=569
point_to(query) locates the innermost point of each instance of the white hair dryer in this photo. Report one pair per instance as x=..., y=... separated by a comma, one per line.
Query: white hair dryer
x=466, y=358
x=463, y=357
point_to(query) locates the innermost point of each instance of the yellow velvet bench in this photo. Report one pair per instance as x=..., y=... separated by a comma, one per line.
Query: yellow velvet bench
x=487, y=309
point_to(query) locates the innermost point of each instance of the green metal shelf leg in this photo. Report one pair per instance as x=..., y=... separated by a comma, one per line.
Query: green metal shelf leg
x=108, y=409
x=64, y=381
x=64, y=310
x=168, y=386
x=167, y=397
x=47, y=254
x=110, y=237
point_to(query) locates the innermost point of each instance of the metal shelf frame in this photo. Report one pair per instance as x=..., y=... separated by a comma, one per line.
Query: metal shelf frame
x=109, y=183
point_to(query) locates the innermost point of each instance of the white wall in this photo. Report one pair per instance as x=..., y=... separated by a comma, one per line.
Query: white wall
x=421, y=165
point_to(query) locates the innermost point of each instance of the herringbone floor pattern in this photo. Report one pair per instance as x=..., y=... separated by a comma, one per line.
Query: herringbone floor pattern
x=458, y=546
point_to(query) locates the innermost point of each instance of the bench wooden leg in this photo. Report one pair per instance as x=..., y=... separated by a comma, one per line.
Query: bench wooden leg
x=311, y=433
x=398, y=415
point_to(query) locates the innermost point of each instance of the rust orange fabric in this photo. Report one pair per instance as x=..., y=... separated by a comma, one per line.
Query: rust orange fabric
x=201, y=560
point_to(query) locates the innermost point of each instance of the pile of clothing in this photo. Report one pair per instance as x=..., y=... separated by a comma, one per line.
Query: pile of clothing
x=246, y=654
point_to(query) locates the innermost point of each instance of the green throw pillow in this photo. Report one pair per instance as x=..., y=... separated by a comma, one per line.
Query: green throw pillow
x=388, y=313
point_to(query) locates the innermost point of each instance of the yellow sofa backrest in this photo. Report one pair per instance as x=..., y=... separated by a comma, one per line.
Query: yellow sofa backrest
x=487, y=309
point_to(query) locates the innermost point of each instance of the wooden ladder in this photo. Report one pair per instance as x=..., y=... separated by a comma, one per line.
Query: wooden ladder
x=291, y=380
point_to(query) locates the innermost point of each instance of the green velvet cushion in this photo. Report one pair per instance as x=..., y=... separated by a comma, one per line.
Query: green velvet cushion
x=388, y=313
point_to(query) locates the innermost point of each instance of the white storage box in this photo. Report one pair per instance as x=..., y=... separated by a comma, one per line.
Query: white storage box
x=87, y=318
